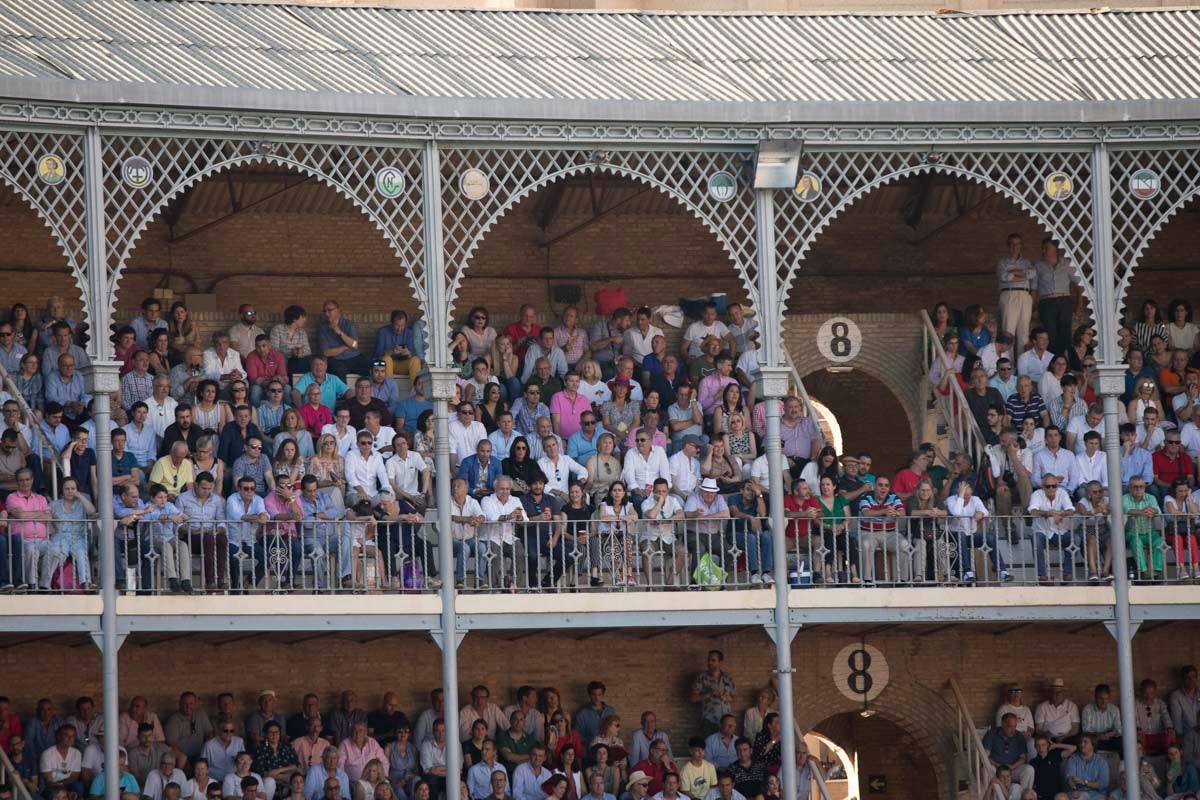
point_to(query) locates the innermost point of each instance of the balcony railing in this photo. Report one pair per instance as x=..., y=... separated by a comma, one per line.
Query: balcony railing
x=316, y=556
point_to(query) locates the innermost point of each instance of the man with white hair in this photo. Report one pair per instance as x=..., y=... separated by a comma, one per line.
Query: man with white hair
x=495, y=536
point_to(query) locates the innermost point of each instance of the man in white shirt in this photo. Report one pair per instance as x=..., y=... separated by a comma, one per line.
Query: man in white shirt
x=741, y=328
x=685, y=467
x=1079, y=427
x=529, y=776
x=341, y=430
x=161, y=406
x=157, y=779
x=966, y=512
x=1149, y=434
x=1057, y=717
x=365, y=472
x=1014, y=703
x=496, y=538
x=407, y=472
x=639, y=339
x=464, y=433
x=222, y=363
x=1011, y=462
x=643, y=464
x=381, y=435
x=1052, y=510
x=545, y=348
x=482, y=708
x=1055, y=460
x=662, y=513
x=558, y=469
x=1189, y=434
x=221, y=750
x=698, y=331
x=1092, y=463
x=1034, y=362
x=992, y=352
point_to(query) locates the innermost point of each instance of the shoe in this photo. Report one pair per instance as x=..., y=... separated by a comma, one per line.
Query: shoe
x=756, y=579
x=459, y=585
x=6, y=588
x=187, y=587
x=1093, y=578
x=969, y=577
x=595, y=581
x=433, y=583
x=1044, y=580
x=173, y=585
x=767, y=579
x=1005, y=577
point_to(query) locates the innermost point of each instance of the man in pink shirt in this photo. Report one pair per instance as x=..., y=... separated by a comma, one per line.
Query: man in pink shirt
x=28, y=513
x=713, y=384
x=355, y=752
x=263, y=365
x=310, y=748
x=567, y=406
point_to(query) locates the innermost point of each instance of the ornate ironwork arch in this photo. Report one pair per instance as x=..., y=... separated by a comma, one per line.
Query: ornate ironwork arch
x=845, y=177
x=58, y=204
x=1138, y=218
x=350, y=170
x=515, y=174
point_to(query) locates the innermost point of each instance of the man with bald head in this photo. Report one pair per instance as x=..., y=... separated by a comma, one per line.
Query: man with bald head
x=383, y=722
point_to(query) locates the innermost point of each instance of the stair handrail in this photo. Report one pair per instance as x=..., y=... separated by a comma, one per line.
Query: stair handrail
x=804, y=398
x=954, y=409
x=970, y=744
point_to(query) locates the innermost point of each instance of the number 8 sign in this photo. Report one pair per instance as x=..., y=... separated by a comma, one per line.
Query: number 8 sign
x=839, y=339
x=860, y=669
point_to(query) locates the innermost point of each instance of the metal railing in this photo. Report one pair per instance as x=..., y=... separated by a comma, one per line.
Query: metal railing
x=559, y=555
x=31, y=420
x=969, y=747
x=952, y=404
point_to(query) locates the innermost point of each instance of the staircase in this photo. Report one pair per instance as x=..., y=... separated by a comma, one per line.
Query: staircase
x=956, y=426
x=973, y=767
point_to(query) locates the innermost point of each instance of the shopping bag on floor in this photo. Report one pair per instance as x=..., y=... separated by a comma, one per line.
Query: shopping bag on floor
x=708, y=574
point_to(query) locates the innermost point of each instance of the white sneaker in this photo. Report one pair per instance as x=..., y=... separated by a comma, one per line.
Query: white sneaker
x=756, y=579
x=767, y=579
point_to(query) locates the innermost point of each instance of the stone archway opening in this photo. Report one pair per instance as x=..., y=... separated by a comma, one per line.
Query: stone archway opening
x=588, y=231
x=269, y=235
x=866, y=413
x=888, y=761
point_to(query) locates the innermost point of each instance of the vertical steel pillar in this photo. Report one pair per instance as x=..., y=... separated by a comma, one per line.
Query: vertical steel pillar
x=103, y=378
x=442, y=391
x=1112, y=385
x=773, y=386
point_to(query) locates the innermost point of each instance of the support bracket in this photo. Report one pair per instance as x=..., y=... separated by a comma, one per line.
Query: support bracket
x=773, y=631
x=436, y=635
x=1111, y=627
x=98, y=640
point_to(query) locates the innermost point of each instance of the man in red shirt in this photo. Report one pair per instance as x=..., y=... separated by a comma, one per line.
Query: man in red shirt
x=524, y=331
x=263, y=365
x=906, y=480
x=656, y=765
x=1171, y=462
x=802, y=509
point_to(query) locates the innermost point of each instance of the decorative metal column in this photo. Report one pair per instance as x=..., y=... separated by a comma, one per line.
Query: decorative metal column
x=103, y=379
x=1112, y=385
x=442, y=391
x=772, y=386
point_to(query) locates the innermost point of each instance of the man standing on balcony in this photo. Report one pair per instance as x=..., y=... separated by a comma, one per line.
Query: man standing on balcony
x=714, y=690
x=1016, y=277
x=1057, y=294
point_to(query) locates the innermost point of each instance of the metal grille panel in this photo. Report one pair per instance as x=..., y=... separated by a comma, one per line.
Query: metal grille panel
x=61, y=206
x=179, y=163
x=1020, y=176
x=516, y=173
x=1137, y=219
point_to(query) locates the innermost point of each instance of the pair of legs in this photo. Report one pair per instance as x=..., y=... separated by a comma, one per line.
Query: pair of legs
x=760, y=553
x=494, y=555
x=1057, y=547
x=55, y=559
x=905, y=556
x=968, y=543
x=664, y=561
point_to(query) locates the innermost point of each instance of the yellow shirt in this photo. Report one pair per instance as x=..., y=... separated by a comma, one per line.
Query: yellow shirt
x=696, y=781
x=175, y=480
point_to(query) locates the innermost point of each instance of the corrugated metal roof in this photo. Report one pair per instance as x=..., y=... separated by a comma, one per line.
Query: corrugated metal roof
x=783, y=62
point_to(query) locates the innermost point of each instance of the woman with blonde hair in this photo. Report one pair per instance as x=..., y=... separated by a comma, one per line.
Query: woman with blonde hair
x=372, y=776
x=330, y=470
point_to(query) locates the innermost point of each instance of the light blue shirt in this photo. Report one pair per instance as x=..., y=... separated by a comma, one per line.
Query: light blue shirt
x=718, y=752
x=1089, y=769
x=332, y=388
x=526, y=785
x=142, y=328
x=314, y=782
x=386, y=393
x=556, y=357
x=479, y=780
x=243, y=532
x=580, y=448
x=1006, y=388
x=162, y=528
x=143, y=444
x=55, y=440
x=313, y=529
x=51, y=354
x=70, y=525
x=1138, y=462
x=501, y=445
x=64, y=392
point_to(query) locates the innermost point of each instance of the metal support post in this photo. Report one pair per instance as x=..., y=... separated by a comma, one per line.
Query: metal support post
x=1112, y=385
x=103, y=378
x=773, y=384
x=442, y=391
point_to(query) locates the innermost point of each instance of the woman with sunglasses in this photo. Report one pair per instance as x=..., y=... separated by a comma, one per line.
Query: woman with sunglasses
x=479, y=334
x=521, y=466
x=239, y=393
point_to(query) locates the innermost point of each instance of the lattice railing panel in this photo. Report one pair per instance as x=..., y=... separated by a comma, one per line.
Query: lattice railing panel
x=351, y=170
x=58, y=199
x=516, y=173
x=844, y=177
x=1137, y=214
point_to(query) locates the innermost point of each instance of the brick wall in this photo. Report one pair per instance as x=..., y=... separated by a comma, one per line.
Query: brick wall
x=643, y=669
x=869, y=413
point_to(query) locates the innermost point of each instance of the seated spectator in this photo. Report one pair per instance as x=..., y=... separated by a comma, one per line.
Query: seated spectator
x=543, y=429
x=332, y=387
x=481, y=378
x=706, y=363
x=543, y=377
x=1053, y=527
x=720, y=746
x=1034, y=362
x=62, y=342
x=544, y=347
x=366, y=473
x=243, y=334
x=1185, y=403
x=337, y=341
x=1136, y=461
x=669, y=379
x=583, y=444
x=1145, y=396
x=1150, y=434
x=466, y=432
x=1172, y=380
x=1006, y=747
x=396, y=346
x=1057, y=717
x=1026, y=404
x=1068, y=405
x=232, y=442
x=362, y=401
x=222, y=363
x=638, y=342
x=328, y=771
x=1005, y=380
x=708, y=326
x=291, y=338
x=1086, y=772
x=685, y=467
x=568, y=407
x=409, y=410
x=1142, y=536
x=1170, y=464
x=643, y=465
x=560, y=469
x=65, y=386
x=480, y=470
x=606, y=339
x=157, y=780
x=187, y=376
x=315, y=414
x=28, y=381
x=712, y=386
x=264, y=365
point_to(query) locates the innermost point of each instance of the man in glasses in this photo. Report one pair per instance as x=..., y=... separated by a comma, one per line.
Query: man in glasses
x=1052, y=512
x=264, y=365
x=10, y=351
x=384, y=388
x=366, y=473
x=1171, y=463
x=465, y=432
x=270, y=410
x=244, y=333
x=1005, y=379
x=254, y=464
x=584, y=442
x=529, y=409
x=222, y=750
x=337, y=340
x=396, y=347
x=363, y=401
